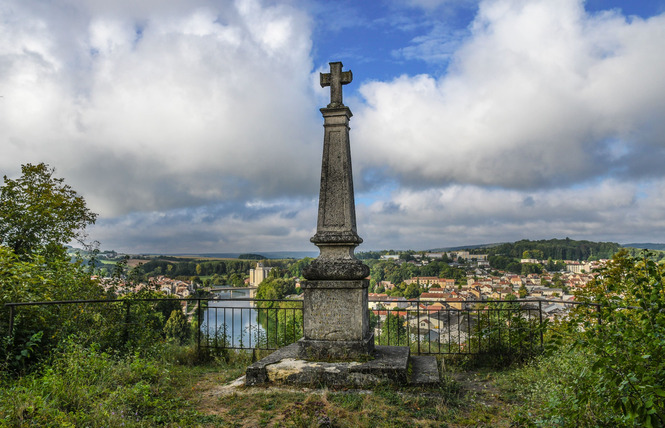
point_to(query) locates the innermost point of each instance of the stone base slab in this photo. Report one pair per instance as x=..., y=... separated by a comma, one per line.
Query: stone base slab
x=389, y=365
x=424, y=371
x=327, y=350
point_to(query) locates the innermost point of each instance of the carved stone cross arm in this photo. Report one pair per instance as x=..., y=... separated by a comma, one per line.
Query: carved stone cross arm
x=335, y=79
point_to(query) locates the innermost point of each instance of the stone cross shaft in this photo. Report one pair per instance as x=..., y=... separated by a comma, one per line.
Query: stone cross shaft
x=336, y=234
x=335, y=79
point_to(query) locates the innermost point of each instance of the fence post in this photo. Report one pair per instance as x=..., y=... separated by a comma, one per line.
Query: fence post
x=418, y=322
x=540, y=312
x=127, y=313
x=11, y=321
x=198, y=332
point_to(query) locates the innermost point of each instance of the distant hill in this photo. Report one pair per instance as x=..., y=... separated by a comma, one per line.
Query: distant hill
x=646, y=246
x=465, y=247
x=252, y=256
x=266, y=254
x=558, y=249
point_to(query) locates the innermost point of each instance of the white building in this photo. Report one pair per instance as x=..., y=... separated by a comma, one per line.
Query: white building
x=257, y=275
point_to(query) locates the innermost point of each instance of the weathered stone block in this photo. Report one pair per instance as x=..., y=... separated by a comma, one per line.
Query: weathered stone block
x=336, y=310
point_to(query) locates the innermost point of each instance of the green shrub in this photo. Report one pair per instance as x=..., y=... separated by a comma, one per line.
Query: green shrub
x=177, y=328
x=627, y=339
x=608, y=368
x=84, y=386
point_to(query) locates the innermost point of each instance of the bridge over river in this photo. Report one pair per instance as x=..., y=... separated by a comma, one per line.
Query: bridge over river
x=218, y=288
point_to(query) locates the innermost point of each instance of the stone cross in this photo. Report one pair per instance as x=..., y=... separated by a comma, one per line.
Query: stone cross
x=335, y=314
x=335, y=79
x=337, y=347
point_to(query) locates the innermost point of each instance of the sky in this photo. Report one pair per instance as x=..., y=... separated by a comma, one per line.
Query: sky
x=193, y=126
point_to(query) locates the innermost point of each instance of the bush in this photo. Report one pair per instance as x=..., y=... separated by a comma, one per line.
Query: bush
x=608, y=368
x=36, y=278
x=84, y=386
x=177, y=328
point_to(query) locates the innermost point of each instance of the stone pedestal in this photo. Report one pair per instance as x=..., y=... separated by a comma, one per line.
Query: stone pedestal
x=336, y=320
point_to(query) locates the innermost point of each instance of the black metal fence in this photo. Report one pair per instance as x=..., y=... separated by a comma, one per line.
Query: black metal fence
x=427, y=327
x=474, y=327
x=245, y=323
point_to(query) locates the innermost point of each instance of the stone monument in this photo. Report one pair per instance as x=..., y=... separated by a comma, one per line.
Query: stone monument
x=338, y=345
x=335, y=314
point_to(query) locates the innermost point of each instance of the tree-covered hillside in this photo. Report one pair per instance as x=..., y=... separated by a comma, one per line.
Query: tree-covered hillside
x=646, y=246
x=557, y=249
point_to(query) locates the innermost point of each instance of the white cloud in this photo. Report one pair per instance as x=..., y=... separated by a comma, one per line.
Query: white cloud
x=193, y=125
x=285, y=224
x=164, y=110
x=466, y=214
x=531, y=100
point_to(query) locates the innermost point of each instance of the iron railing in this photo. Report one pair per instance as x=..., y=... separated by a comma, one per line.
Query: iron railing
x=478, y=326
x=498, y=326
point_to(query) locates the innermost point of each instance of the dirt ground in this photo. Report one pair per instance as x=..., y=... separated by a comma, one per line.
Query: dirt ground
x=470, y=399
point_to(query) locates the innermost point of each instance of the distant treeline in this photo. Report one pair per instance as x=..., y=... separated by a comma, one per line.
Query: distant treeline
x=556, y=249
x=251, y=256
x=646, y=246
x=207, y=267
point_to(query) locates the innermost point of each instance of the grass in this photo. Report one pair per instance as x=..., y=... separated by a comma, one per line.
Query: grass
x=381, y=408
x=171, y=386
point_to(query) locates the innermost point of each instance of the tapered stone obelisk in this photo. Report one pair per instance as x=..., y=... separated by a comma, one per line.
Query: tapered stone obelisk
x=335, y=313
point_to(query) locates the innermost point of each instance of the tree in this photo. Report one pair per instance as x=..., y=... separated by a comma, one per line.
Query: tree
x=412, y=291
x=177, y=328
x=622, y=341
x=236, y=280
x=523, y=291
x=38, y=210
x=514, y=267
x=393, y=331
x=275, y=288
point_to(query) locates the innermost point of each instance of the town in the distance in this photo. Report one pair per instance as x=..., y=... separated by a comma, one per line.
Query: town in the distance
x=552, y=270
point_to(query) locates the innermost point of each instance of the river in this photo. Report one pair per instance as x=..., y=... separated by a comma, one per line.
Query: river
x=239, y=317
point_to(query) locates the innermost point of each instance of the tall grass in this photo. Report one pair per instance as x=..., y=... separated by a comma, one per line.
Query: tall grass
x=81, y=385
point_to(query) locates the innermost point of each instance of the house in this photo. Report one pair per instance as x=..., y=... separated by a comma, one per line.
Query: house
x=433, y=297
x=395, y=303
x=387, y=285
x=456, y=303
x=533, y=278
x=377, y=300
x=500, y=293
x=436, y=307
x=473, y=292
x=515, y=281
x=472, y=284
x=422, y=280
x=446, y=282
x=435, y=255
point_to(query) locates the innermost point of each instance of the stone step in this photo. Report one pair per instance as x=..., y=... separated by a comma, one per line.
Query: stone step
x=286, y=367
x=424, y=371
